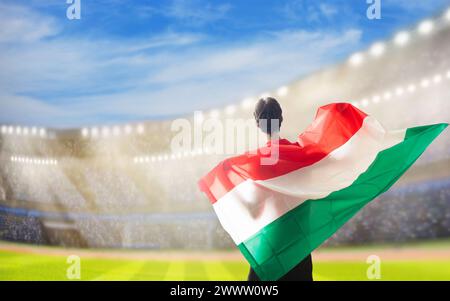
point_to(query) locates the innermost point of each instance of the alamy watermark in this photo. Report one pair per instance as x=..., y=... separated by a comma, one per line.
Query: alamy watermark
x=225, y=137
x=73, y=11
x=73, y=271
x=374, y=270
x=374, y=10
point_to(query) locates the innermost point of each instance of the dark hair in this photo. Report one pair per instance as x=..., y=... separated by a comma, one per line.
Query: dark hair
x=266, y=110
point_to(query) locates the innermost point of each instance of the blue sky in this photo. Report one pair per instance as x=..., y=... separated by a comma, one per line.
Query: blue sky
x=140, y=60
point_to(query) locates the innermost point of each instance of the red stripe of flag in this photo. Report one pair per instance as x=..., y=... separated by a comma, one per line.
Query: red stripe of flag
x=332, y=127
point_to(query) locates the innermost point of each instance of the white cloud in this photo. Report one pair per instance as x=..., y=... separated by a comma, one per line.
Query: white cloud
x=196, y=12
x=74, y=81
x=21, y=24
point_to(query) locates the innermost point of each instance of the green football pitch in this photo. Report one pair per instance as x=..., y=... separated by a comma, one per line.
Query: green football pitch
x=33, y=264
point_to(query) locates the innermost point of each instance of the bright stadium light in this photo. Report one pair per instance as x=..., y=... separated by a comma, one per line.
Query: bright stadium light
x=229, y=110
x=411, y=88
x=42, y=132
x=376, y=99
x=425, y=83
x=377, y=49
x=401, y=38
x=94, y=132
x=34, y=131
x=387, y=95
x=85, y=132
x=282, y=91
x=128, y=129
x=18, y=130
x=448, y=74
x=399, y=91
x=356, y=59
x=214, y=114
x=365, y=102
x=4, y=129
x=105, y=131
x=116, y=130
x=247, y=103
x=425, y=27
x=140, y=129
x=437, y=78
x=26, y=131
x=447, y=15
x=10, y=130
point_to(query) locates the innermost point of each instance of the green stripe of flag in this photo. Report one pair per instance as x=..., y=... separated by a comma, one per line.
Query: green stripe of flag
x=282, y=244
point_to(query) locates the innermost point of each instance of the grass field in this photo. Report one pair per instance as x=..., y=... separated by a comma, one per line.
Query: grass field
x=430, y=261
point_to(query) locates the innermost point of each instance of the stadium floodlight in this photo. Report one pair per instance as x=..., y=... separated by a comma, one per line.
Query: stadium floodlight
x=10, y=130
x=116, y=130
x=18, y=130
x=25, y=131
x=387, y=95
x=411, y=88
x=437, y=78
x=229, y=110
x=402, y=38
x=247, y=103
x=42, y=132
x=105, y=131
x=214, y=114
x=147, y=159
x=425, y=27
x=376, y=99
x=448, y=74
x=365, y=102
x=282, y=91
x=84, y=132
x=140, y=129
x=179, y=156
x=356, y=59
x=94, y=132
x=12, y=159
x=166, y=157
x=447, y=15
x=425, y=83
x=153, y=159
x=128, y=129
x=4, y=129
x=399, y=91
x=34, y=131
x=135, y=160
x=377, y=49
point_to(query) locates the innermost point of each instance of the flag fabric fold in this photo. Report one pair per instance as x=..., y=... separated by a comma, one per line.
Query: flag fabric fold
x=278, y=214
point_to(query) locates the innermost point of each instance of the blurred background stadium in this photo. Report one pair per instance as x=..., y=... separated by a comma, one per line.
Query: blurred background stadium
x=122, y=187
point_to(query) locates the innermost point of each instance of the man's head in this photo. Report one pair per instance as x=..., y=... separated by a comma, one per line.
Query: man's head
x=266, y=110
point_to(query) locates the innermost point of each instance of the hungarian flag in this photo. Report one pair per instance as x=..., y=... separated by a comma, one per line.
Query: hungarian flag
x=278, y=214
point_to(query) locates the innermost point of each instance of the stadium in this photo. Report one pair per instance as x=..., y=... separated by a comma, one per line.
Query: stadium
x=122, y=200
